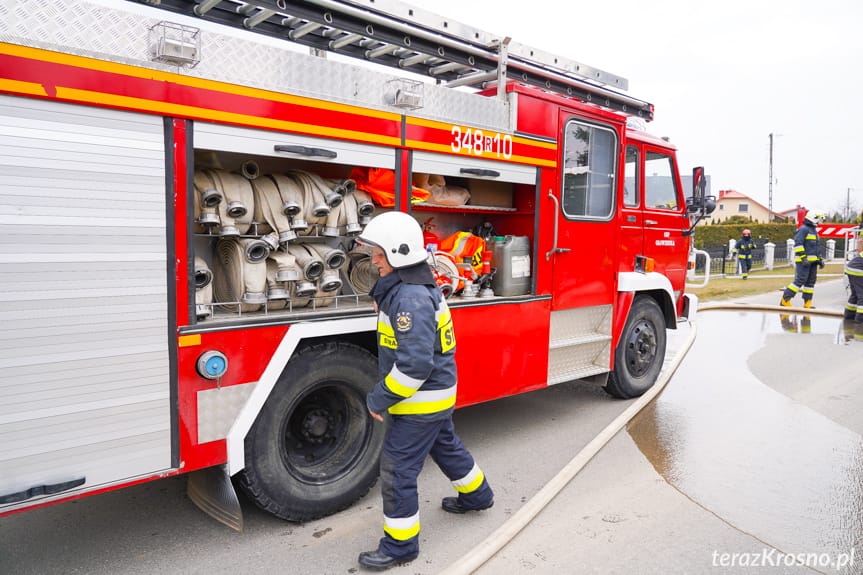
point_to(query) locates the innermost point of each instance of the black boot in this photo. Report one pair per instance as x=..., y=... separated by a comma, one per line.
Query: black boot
x=377, y=561
x=453, y=505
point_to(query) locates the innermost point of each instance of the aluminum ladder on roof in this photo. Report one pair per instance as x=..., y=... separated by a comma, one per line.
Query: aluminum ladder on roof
x=401, y=36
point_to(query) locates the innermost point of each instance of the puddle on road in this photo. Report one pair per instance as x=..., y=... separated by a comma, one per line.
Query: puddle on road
x=761, y=461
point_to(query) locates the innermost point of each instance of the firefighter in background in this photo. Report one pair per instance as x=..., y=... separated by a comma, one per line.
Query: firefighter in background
x=417, y=386
x=743, y=249
x=854, y=272
x=807, y=260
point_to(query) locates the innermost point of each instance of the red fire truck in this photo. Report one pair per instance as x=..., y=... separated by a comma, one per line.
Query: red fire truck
x=181, y=190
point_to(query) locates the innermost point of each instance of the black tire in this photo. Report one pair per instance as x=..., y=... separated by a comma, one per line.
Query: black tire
x=640, y=352
x=314, y=450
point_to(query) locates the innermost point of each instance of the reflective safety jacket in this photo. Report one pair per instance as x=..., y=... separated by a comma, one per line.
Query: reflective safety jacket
x=465, y=245
x=806, y=246
x=854, y=267
x=416, y=350
x=743, y=248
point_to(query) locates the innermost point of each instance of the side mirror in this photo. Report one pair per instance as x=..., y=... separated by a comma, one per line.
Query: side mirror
x=699, y=204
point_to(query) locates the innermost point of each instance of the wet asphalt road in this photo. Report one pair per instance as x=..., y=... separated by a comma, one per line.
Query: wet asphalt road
x=753, y=450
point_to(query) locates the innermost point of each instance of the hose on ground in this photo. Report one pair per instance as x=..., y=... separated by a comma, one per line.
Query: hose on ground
x=486, y=549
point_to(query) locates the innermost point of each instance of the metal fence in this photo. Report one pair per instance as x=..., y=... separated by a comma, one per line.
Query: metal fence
x=724, y=264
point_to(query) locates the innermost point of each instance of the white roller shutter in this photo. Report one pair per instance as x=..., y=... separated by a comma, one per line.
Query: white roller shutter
x=84, y=362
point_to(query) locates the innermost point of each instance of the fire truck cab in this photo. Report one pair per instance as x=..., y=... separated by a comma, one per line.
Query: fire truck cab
x=182, y=289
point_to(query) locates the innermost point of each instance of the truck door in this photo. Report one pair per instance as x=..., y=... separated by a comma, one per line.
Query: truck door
x=584, y=262
x=85, y=378
x=665, y=217
x=631, y=215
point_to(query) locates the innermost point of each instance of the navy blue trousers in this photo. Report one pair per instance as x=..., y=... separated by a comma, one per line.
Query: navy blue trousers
x=409, y=440
x=805, y=276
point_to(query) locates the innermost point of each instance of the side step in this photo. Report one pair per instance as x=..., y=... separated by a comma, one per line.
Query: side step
x=579, y=343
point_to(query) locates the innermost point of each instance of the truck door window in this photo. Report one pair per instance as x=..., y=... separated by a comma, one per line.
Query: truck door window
x=660, y=191
x=588, y=171
x=630, y=178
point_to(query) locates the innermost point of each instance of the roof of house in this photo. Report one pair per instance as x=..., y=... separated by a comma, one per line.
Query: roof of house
x=735, y=195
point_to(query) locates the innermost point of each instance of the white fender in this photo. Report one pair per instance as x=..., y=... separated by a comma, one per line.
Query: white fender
x=235, y=439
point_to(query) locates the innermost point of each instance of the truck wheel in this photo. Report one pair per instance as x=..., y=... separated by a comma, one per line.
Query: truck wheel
x=640, y=351
x=314, y=450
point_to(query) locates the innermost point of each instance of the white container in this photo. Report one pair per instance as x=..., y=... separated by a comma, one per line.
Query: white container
x=512, y=260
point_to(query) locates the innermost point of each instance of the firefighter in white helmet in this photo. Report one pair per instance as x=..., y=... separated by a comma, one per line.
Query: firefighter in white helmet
x=416, y=386
x=807, y=259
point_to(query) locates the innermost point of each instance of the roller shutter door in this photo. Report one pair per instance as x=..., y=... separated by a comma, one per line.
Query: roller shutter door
x=84, y=362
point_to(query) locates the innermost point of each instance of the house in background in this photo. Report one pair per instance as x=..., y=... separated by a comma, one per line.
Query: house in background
x=789, y=215
x=732, y=203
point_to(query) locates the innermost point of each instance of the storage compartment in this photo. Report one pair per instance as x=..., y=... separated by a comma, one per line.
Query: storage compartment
x=501, y=203
x=275, y=221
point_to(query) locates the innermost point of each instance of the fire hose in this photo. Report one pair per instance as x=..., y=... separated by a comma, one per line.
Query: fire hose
x=203, y=289
x=292, y=201
x=238, y=279
x=315, y=208
x=206, y=198
x=238, y=203
x=269, y=210
x=487, y=548
x=277, y=291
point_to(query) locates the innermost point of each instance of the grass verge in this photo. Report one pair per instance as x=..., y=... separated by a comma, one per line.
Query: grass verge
x=760, y=281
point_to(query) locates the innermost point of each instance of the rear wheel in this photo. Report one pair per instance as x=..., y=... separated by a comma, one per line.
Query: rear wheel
x=314, y=449
x=640, y=352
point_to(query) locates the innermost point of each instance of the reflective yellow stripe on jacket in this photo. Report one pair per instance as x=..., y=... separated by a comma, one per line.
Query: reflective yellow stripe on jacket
x=426, y=402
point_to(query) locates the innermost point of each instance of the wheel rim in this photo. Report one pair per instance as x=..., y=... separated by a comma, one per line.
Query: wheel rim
x=325, y=434
x=641, y=348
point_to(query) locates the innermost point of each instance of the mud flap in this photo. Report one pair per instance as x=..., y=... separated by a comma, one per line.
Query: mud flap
x=212, y=491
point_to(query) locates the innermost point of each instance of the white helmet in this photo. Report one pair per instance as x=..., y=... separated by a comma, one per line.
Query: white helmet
x=815, y=216
x=399, y=236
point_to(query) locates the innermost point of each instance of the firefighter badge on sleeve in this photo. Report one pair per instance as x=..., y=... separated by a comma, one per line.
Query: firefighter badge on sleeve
x=404, y=321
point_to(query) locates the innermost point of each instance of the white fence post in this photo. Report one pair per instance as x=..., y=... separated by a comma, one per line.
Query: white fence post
x=769, y=254
x=831, y=250
x=789, y=247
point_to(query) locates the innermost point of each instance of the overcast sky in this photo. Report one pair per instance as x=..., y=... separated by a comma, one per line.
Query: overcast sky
x=722, y=76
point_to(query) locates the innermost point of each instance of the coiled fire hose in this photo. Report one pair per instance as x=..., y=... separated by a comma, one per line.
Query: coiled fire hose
x=365, y=206
x=351, y=217
x=334, y=258
x=342, y=187
x=238, y=203
x=331, y=196
x=363, y=274
x=206, y=200
x=286, y=266
x=292, y=200
x=315, y=209
x=310, y=263
x=269, y=210
x=335, y=221
x=250, y=170
x=277, y=291
x=203, y=288
x=237, y=279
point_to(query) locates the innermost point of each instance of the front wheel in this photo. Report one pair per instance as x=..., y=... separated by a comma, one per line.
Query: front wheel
x=640, y=352
x=314, y=449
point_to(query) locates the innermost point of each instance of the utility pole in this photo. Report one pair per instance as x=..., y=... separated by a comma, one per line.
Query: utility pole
x=848, y=217
x=770, y=185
